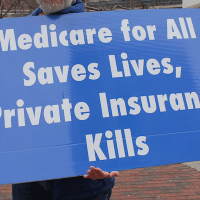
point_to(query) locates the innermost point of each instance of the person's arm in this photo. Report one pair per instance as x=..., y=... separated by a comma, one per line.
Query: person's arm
x=97, y=173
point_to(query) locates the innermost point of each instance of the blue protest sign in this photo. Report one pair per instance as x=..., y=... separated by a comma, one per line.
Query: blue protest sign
x=115, y=90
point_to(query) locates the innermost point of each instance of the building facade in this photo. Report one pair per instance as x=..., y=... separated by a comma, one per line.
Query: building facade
x=19, y=8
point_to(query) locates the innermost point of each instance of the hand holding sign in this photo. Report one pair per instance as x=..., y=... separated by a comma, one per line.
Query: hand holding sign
x=97, y=173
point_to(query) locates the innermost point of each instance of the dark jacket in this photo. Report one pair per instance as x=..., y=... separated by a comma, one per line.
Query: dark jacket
x=66, y=188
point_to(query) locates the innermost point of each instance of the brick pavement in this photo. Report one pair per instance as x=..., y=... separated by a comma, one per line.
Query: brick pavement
x=5, y=192
x=169, y=182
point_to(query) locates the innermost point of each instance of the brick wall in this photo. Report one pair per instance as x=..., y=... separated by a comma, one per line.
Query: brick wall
x=111, y=4
x=17, y=8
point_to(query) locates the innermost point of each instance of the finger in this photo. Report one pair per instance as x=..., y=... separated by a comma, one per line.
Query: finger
x=85, y=176
x=106, y=174
x=99, y=171
x=102, y=174
x=89, y=173
x=94, y=174
x=92, y=168
x=113, y=174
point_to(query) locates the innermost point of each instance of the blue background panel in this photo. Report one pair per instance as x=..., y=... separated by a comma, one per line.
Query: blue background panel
x=58, y=148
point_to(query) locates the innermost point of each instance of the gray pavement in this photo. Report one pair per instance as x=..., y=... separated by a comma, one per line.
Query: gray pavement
x=195, y=165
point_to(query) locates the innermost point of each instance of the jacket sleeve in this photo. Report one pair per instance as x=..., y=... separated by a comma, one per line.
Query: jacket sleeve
x=77, y=7
x=36, y=12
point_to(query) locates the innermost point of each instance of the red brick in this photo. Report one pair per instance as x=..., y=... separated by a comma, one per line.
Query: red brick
x=190, y=190
x=182, y=198
x=5, y=191
x=167, y=195
x=186, y=194
x=193, y=186
x=193, y=197
x=151, y=192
